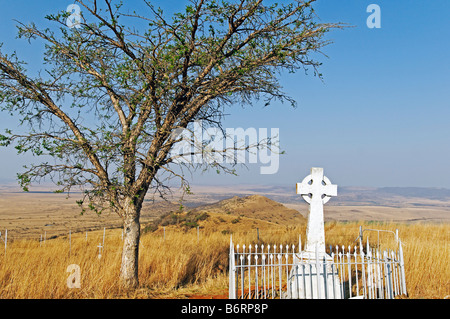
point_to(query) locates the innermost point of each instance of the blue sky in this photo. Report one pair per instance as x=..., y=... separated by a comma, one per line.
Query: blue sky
x=380, y=117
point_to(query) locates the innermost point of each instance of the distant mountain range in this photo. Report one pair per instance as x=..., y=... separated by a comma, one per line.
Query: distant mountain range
x=430, y=193
x=397, y=196
x=370, y=196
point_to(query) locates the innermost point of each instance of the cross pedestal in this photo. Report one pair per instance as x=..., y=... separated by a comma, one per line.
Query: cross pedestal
x=310, y=277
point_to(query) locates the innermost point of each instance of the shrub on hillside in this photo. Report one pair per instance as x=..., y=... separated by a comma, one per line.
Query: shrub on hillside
x=187, y=220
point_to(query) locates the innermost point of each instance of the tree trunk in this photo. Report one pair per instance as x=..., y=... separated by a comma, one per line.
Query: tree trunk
x=130, y=252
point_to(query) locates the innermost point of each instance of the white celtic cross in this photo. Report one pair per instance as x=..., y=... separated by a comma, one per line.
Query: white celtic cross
x=316, y=190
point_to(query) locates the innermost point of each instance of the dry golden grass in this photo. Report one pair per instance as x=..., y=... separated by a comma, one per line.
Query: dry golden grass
x=183, y=265
x=426, y=253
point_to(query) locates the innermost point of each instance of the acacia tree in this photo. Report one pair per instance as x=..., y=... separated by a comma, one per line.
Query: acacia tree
x=114, y=88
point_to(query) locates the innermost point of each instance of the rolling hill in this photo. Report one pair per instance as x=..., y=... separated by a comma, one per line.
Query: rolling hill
x=236, y=213
x=256, y=207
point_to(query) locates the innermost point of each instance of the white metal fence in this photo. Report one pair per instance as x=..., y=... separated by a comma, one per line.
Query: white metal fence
x=276, y=271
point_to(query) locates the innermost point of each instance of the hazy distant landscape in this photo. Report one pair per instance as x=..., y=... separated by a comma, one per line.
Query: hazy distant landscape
x=41, y=211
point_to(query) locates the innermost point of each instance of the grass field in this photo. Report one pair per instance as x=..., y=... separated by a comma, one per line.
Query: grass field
x=182, y=265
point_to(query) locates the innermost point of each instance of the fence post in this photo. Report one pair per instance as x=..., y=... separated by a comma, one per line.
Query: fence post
x=232, y=275
x=388, y=276
x=355, y=256
x=369, y=271
x=325, y=277
x=402, y=268
x=363, y=271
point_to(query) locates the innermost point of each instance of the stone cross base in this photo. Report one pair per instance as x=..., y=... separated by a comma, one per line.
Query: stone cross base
x=308, y=281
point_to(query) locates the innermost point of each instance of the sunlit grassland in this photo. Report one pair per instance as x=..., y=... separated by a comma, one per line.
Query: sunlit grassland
x=182, y=264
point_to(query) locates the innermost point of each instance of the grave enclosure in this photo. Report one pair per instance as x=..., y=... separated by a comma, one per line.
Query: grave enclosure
x=309, y=272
